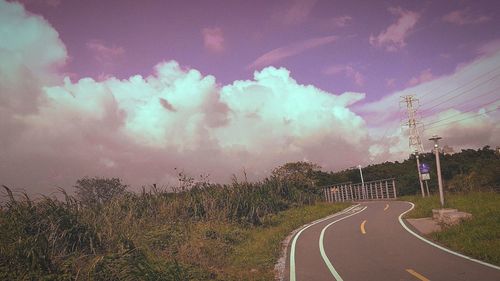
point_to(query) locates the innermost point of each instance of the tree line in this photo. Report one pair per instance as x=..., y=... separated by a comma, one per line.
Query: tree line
x=467, y=170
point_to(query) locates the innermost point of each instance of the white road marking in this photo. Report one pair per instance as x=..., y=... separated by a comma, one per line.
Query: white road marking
x=294, y=242
x=322, y=248
x=436, y=245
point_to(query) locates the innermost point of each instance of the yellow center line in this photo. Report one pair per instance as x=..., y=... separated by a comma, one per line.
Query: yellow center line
x=416, y=274
x=363, y=227
x=386, y=207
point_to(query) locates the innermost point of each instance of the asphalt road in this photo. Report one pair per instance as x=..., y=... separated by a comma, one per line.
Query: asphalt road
x=368, y=242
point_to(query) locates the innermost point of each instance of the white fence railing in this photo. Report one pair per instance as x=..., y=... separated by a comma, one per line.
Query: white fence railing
x=371, y=190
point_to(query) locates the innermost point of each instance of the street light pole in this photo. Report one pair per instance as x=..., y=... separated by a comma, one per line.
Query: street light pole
x=435, y=138
x=362, y=181
x=419, y=174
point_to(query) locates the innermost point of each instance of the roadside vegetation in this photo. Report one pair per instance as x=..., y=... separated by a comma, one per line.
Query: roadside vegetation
x=478, y=237
x=206, y=231
x=199, y=231
x=467, y=170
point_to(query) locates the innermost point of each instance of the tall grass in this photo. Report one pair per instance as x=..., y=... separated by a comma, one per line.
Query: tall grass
x=153, y=235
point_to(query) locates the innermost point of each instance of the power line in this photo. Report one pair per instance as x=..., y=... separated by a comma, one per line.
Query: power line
x=467, y=101
x=460, y=113
x=461, y=94
x=470, y=117
x=463, y=85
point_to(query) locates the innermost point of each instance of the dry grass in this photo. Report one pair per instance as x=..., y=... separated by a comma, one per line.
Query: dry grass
x=191, y=234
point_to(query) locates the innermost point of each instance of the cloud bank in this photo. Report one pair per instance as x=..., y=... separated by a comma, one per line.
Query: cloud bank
x=147, y=129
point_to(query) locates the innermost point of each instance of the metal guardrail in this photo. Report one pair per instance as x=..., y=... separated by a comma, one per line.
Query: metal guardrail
x=371, y=190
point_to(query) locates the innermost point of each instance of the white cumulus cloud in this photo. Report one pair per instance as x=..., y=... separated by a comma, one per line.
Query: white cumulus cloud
x=147, y=129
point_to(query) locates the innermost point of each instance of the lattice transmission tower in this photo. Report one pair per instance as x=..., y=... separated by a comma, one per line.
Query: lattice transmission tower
x=415, y=143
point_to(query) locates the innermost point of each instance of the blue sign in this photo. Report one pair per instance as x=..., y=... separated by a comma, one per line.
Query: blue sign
x=424, y=168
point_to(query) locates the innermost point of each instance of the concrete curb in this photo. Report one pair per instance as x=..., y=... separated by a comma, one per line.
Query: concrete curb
x=280, y=266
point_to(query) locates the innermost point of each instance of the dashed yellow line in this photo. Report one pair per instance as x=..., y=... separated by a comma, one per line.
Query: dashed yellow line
x=416, y=274
x=386, y=207
x=362, y=227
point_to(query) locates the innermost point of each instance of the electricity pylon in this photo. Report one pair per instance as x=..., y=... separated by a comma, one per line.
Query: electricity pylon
x=414, y=143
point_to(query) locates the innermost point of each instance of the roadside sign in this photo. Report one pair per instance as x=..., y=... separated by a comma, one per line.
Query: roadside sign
x=426, y=176
x=424, y=168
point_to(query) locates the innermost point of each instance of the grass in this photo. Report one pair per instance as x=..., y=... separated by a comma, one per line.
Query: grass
x=254, y=259
x=201, y=232
x=478, y=237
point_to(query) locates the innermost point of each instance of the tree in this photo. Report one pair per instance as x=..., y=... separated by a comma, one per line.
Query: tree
x=297, y=171
x=96, y=191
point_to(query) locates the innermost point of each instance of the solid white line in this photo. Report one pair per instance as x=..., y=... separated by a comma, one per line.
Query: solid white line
x=322, y=249
x=438, y=246
x=294, y=242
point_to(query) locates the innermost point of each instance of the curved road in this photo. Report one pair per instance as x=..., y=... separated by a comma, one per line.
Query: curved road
x=368, y=242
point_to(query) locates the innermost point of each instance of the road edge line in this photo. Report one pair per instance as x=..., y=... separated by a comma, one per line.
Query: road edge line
x=400, y=218
x=300, y=230
x=322, y=248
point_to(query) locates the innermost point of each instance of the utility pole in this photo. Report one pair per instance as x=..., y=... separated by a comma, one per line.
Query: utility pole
x=415, y=143
x=438, y=167
x=419, y=174
x=362, y=181
x=427, y=187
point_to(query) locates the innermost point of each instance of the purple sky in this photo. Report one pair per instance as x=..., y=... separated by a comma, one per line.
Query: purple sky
x=147, y=32
x=204, y=64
